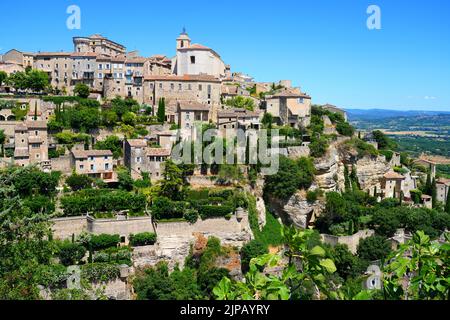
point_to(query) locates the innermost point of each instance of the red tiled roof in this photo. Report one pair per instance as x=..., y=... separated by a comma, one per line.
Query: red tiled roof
x=393, y=175
x=83, y=154
x=137, y=143
x=158, y=152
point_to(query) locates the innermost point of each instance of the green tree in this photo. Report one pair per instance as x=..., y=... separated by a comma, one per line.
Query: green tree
x=3, y=77
x=434, y=193
x=125, y=180
x=24, y=241
x=241, y=102
x=78, y=182
x=161, y=113
x=384, y=142
x=306, y=274
x=251, y=250
x=374, y=248
x=111, y=143
x=82, y=90
x=18, y=81
x=447, y=205
x=418, y=270
x=292, y=176
x=172, y=183
x=37, y=80
x=2, y=142
x=345, y=129
x=267, y=120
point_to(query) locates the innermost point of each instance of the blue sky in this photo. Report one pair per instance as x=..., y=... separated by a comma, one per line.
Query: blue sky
x=324, y=46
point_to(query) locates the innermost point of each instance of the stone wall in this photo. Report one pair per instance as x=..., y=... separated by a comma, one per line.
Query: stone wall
x=351, y=241
x=63, y=228
x=62, y=164
x=121, y=227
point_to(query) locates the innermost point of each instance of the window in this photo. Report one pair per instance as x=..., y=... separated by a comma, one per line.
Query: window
x=138, y=160
x=180, y=87
x=35, y=146
x=91, y=158
x=106, y=166
x=160, y=85
x=81, y=166
x=100, y=66
x=200, y=87
x=172, y=86
x=300, y=100
x=193, y=59
x=92, y=167
x=189, y=86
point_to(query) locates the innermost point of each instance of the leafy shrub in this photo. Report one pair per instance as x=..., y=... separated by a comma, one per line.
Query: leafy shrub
x=142, y=239
x=252, y=250
x=104, y=241
x=214, y=211
x=100, y=272
x=388, y=154
x=101, y=200
x=292, y=175
x=374, y=248
x=345, y=129
x=191, y=215
x=71, y=253
x=78, y=182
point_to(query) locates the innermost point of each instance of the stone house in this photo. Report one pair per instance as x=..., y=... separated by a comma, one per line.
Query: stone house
x=93, y=163
x=443, y=188
x=98, y=44
x=290, y=107
x=392, y=184
x=192, y=113
x=30, y=143
x=200, y=88
x=234, y=119
x=139, y=158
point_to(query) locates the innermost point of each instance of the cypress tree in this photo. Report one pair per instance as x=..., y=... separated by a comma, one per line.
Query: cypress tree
x=428, y=185
x=161, y=114
x=434, y=193
x=35, y=111
x=447, y=205
x=347, y=179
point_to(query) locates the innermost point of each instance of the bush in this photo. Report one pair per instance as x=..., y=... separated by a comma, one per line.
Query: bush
x=388, y=154
x=214, y=211
x=374, y=248
x=292, y=175
x=104, y=241
x=345, y=129
x=71, y=253
x=100, y=272
x=251, y=250
x=191, y=215
x=142, y=239
x=78, y=182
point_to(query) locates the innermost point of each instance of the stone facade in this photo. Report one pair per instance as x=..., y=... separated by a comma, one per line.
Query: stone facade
x=94, y=163
x=351, y=241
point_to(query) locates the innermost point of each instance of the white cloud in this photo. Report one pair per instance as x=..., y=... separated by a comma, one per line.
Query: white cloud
x=430, y=98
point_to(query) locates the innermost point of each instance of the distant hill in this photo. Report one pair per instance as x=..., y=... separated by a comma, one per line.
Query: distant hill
x=376, y=114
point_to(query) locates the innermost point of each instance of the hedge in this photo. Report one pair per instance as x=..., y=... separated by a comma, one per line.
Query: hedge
x=214, y=211
x=102, y=200
x=104, y=241
x=142, y=239
x=71, y=253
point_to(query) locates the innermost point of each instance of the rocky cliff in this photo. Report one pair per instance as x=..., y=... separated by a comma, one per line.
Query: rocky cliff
x=330, y=177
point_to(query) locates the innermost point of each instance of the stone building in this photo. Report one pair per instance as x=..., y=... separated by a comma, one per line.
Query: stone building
x=234, y=119
x=200, y=88
x=192, y=113
x=392, y=184
x=139, y=158
x=290, y=107
x=31, y=143
x=93, y=163
x=16, y=57
x=98, y=44
x=335, y=109
x=443, y=188
x=196, y=59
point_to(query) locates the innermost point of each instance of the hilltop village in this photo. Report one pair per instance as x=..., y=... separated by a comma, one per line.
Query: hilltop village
x=87, y=139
